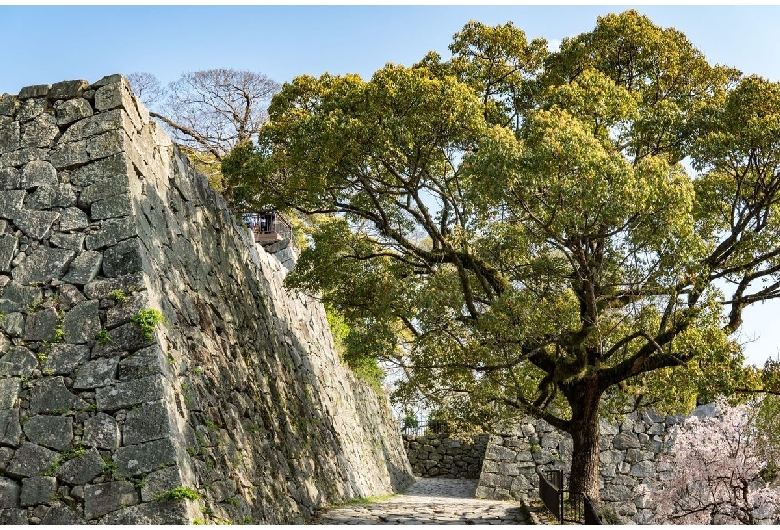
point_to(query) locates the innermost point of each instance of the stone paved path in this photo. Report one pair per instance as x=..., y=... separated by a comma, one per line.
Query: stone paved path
x=429, y=501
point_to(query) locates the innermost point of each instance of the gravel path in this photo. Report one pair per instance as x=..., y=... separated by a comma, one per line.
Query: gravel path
x=429, y=501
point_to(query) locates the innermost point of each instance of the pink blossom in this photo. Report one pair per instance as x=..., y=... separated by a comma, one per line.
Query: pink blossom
x=718, y=478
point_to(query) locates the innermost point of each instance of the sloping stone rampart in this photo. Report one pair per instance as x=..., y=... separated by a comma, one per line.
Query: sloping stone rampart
x=239, y=397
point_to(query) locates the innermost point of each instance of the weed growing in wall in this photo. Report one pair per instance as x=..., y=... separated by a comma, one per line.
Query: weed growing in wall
x=147, y=320
x=118, y=296
x=103, y=337
x=178, y=493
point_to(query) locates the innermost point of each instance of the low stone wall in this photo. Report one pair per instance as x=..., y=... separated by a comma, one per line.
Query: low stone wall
x=632, y=461
x=439, y=455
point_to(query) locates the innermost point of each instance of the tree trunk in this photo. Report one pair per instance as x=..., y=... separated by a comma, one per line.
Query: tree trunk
x=585, y=434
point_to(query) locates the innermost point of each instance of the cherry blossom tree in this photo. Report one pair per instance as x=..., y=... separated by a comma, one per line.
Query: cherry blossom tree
x=721, y=474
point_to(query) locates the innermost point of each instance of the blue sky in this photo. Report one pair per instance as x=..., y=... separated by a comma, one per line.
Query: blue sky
x=46, y=44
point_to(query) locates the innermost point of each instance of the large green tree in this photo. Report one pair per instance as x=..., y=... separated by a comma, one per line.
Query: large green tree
x=534, y=232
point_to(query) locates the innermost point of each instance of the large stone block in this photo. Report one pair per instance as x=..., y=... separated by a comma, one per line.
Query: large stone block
x=10, y=136
x=40, y=199
x=154, y=513
x=69, y=155
x=616, y=493
x=38, y=490
x=84, y=268
x=73, y=242
x=111, y=232
x=96, y=125
x=13, y=516
x=11, y=203
x=50, y=395
x=34, y=91
x=61, y=515
x=143, y=363
x=656, y=428
x=158, y=482
x=73, y=219
x=103, y=288
x=32, y=108
x=118, y=206
x=126, y=338
x=126, y=257
x=72, y=110
x=9, y=391
x=42, y=265
x=125, y=395
x=105, y=189
x=626, y=440
x=118, y=96
x=100, y=499
x=143, y=458
x=38, y=173
x=109, y=169
x=611, y=457
x=496, y=480
x=31, y=460
x=500, y=453
x=35, y=224
x=82, y=323
x=9, y=176
x=18, y=360
x=8, y=105
x=69, y=296
x=63, y=359
x=81, y=469
x=68, y=89
x=10, y=428
x=643, y=469
x=509, y=469
x=101, y=431
x=123, y=312
x=107, y=144
x=9, y=493
x=97, y=373
x=146, y=423
x=54, y=432
x=23, y=156
x=17, y=297
x=13, y=323
x=8, y=245
x=41, y=325
x=40, y=132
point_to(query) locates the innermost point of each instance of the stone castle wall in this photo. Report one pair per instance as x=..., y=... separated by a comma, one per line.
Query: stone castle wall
x=633, y=461
x=239, y=399
x=439, y=455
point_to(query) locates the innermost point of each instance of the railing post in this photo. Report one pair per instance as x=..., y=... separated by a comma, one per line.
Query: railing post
x=551, y=492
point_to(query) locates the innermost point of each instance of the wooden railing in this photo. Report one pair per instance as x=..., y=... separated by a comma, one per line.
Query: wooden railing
x=268, y=227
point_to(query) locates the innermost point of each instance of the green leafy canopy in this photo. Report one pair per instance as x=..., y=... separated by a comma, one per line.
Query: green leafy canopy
x=516, y=229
